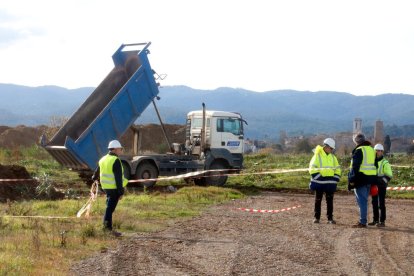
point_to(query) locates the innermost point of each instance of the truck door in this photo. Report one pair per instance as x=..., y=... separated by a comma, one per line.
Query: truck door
x=229, y=134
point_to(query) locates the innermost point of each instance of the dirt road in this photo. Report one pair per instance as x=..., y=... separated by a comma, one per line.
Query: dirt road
x=228, y=241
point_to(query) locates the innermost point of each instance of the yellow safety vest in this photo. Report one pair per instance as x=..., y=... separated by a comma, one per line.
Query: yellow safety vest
x=106, y=174
x=368, y=161
x=384, y=168
x=326, y=165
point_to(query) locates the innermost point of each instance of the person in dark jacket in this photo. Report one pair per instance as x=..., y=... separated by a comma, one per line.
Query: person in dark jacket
x=111, y=177
x=325, y=173
x=362, y=174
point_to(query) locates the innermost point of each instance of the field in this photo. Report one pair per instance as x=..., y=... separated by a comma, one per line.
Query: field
x=197, y=230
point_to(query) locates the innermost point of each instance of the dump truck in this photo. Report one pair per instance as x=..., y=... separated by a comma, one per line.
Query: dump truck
x=214, y=139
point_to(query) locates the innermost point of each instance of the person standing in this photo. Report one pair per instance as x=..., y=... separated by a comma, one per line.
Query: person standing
x=384, y=175
x=111, y=177
x=325, y=174
x=362, y=174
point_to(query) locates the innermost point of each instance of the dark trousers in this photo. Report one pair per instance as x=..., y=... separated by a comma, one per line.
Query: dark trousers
x=112, y=198
x=329, y=204
x=378, y=203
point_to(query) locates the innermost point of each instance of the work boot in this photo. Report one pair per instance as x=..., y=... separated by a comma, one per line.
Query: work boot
x=359, y=225
x=331, y=221
x=315, y=220
x=373, y=223
x=381, y=224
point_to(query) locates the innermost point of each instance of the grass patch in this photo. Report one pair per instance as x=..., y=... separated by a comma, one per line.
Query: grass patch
x=49, y=246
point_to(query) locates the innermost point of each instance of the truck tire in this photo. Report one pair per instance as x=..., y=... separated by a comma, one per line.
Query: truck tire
x=217, y=178
x=146, y=171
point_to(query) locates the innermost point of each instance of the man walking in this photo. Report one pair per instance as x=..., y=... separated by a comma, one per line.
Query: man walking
x=325, y=173
x=111, y=176
x=362, y=174
x=384, y=175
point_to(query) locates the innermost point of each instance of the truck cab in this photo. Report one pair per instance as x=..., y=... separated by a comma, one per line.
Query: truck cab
x=223, y=130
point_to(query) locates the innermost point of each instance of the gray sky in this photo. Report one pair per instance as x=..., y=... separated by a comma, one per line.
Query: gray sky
x=361, y=47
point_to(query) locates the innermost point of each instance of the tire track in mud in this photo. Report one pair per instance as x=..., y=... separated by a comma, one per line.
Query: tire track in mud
x=344, y=256
x=397, y=252
x=382, y=262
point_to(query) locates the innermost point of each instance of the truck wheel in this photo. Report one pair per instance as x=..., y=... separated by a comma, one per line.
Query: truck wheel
x=217, y=178
x=146, y=171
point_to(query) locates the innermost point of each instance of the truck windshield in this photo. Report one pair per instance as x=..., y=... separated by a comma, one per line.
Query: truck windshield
x=198, y=123
x=233, y=126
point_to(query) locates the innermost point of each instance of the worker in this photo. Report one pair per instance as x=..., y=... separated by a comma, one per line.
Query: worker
x=325, y=174
x=111, y=177
x=384, y=175
x=363, y=172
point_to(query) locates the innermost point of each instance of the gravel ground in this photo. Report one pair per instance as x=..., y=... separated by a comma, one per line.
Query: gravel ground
x=228, y=241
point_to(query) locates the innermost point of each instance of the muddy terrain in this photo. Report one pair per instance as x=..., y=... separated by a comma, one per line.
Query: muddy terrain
x=227, y=241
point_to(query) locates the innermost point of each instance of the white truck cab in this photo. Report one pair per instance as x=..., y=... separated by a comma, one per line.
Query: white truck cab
x=223, y=130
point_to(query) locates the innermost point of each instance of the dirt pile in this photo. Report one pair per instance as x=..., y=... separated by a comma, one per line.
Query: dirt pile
x=20, y=136
x=152, y=137
x=25, y=188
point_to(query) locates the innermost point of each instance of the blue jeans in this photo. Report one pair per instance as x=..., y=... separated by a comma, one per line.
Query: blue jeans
x=361, y=195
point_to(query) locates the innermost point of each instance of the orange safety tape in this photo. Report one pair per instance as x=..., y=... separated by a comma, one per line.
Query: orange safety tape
x=406, y=188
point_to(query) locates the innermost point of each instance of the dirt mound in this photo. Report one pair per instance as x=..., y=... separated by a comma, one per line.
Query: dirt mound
x=20, y=136
x=15, y=190
x=3, y=129
x=152, y=137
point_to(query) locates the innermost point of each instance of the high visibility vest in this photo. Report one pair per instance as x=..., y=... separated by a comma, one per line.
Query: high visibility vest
x=106, y=174
x=367, y=166
x=384, y=168
x=325, y=164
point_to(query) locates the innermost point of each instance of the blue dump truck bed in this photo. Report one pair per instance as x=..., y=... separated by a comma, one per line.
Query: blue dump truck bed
x=108, y=112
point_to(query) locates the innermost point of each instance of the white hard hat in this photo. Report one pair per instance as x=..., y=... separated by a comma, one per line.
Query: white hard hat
x=330, y=142
x=114, y=144
x=379, y=147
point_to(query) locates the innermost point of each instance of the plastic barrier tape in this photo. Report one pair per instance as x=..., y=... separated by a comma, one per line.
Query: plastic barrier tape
x=408, y=188
x=88, y=205
x=268, y=211
x=13, y=180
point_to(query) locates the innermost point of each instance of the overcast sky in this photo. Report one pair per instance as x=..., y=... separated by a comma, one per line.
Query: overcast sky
x=361, y=47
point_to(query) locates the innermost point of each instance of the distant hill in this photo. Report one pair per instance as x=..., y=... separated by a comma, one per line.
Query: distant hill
x=267, y=113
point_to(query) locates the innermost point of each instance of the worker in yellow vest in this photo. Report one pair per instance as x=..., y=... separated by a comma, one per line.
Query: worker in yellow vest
x=384, y=175
x=362, y=174
x=111, y=177
x=325, y=174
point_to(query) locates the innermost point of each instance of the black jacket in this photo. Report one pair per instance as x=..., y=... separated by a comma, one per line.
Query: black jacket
x=355, y=177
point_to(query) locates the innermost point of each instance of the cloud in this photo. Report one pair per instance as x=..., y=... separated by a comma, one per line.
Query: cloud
x=13, y=29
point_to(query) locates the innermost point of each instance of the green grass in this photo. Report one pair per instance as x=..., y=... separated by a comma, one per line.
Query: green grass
x=251, y=183
x=49, y=246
